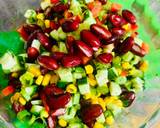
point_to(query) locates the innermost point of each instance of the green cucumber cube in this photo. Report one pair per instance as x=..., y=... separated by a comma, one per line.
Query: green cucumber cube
x=112, y=73
x=101, y=118
x=65, y=74
x=128, y=56
x=102, y=77
x=121, y=80
x=83, y=86
x=115, y=89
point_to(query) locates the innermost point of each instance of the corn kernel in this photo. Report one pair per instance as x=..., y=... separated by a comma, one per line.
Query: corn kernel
x=110, y=120
x=12, y=99
x=126, y=65
x=47, y=23
x=22, y=100
x=71, y=88
x=98, y=125
x=62, y=123
x=119, y=70
x=44, y=114
x=92, y=82
x=109, y=100
x=55, y=48
x=91, y=76
x=87, y=96
x=102, y=103
x=144, y=66
x=46, y=79
x=40, y=23
x=15, y=74
x=34, y=70
x=94, y=100
x=54, y=79
x=118, y=103
x=16, y=96
x=49, y=1
x=89, y=69
x=40, y=16
x=127, y=27
x=39, y=80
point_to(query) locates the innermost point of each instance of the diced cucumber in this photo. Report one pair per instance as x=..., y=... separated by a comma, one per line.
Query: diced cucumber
x=115, y=89
x=70, y=114
x=23, y=114
x=135, y=73
x=45, y=4
x=75, y=125
x=101, y=118
x=102, y=89
x=137, y=84
x=138, y=41
x=76, y=99
x=62, y=35
x=54, y=34
x=135, y=60
x=65, y=74
x=75, y=7
x=10, y=63
x=78, y=73
x=36, y=102
x=62, y=47
x=128, y=56
x=100, y=66
x=70, y=103
x=88, y=1
x=36, y=109
x=112, y=73
x=102, y=77
x=121, y=80
x=62, y=84
x=107, y=113
x=116, y=61
x=30, y=14
x=26, y=79
x=36, y=44
x=83, y=86
x=115, y=109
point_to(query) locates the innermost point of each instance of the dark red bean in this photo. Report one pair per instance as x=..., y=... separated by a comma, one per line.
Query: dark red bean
x=58, y=55
x=58, y=112
x=116, y=20
x=44, y=100
x=91, y=112
x=17, y=107
x=90, y=39
x=105, y=58
x=126, y=45
x=44, y=40
x=83, y=57
x=70, y=41
x=100, y=31
x=118, y=31
x=137, y=50
x=43, y=70
x=129, y=16
x=30, y=28
x=127, y=98
x=60, y=7
x=51, y=122
x=70, y=25
x=48, y=62
x=32, y=53
x=54, y=1
x=59, y=102
x=103, y=1
x=84, y=48
x=111, y=40
x=71, y=61
x=53, y=90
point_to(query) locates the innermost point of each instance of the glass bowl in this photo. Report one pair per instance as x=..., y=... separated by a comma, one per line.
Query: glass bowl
x=145, y=111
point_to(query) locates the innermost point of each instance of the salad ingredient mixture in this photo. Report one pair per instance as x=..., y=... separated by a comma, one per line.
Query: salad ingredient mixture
x=82, y=64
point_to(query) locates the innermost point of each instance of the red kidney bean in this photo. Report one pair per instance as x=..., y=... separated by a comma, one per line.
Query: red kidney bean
x=23, y=33
x=58, y=55
x=32, y=53
x=53, y=90
x=54, y=1
x=48, y=12
x=103, y=1
x=70, y=25
x=127, y=98
x=48, y=62
x=100, y=31
x=17, y=107
x=84, y=48
x=91, y=39
x=51, y=122
x=30, y=28
x=91, y=112
x=105, y=58
x=118, y=31
x=71, y=61
x=83, y=57
x=91, y=123
x=58, y=112
x=111, y=40
x=129, y=16
x=54, y=25
x=137, y=50
x=39, y=10
x=44, y=100
x=59, y=101
x=70, y=44
x=126, y=45
x=44, y=40
x=116, y=20
x=43, y=70
x=60, y=7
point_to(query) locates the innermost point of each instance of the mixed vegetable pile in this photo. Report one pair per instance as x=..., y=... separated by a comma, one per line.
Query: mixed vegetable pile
x=82, y=65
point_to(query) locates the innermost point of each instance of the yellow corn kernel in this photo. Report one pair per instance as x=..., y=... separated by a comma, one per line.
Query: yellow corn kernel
x=92, y=82
x=46, y=79
x=62, y=123
x=98, y=125
x=109, y=120
x=144, y=66
x=55, y=48
x=54, y=79
x=126, y=65
x=119, y=70
x=71, y=88
x=109, y=100
x=40, y=16
x=127, y=27
x=47, y=23
x=118, y=103
x=87, y=96
x=49, y=1
x=39, y=80
x=89, y=69
x=102, y=103
x=15, y=74
x=34, y=70
x=22, y=101
x=12, y=99
x=94, y=100
x=91, y=76
x=16, y=96
x=40, y=23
